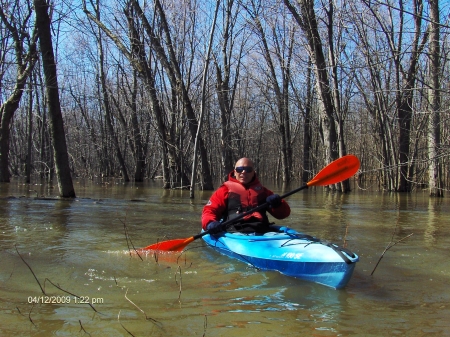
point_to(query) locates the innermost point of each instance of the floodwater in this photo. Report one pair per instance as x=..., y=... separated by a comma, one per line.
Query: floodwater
x=77, y=253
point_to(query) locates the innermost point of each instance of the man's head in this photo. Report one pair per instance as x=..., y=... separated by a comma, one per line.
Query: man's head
x=244, y=170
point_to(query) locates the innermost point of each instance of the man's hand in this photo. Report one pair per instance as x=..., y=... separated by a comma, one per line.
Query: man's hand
x=214, y=227
x=274, y=200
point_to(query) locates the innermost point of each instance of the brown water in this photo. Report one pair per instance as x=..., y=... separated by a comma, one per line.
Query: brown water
x=80, y=246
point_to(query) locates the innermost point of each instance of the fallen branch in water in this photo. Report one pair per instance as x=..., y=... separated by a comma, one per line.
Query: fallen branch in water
x=82, y=329
x=345, y=237
x=29, y=315
x=205, y=326
x=68, y=292
x=183, y=253
x=181, y=279
x=20, y=311
x=118, y=319
x=43, y=288
x=32, y=272
x=128, y=238
x=389, y=246
x=146, y=317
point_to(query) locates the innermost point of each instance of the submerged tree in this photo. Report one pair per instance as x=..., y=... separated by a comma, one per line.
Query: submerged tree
x=434, y=96
x=17, y=36
x=151, y=50
x=62, y=167
x=278, y=57
x=307, y=20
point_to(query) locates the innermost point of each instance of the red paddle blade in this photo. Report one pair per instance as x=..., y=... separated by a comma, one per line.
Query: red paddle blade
x=337, y=171
x=176, y=245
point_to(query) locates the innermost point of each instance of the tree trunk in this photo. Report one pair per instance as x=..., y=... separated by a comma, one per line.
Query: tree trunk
x=339, y=110
x=62, y=167
x=306, y=161
x=203, y=104
x=405, y=81
x=139, y=148
x=25, y=65
x=173, y=67
x=226, y=91
x=434, y=121
x=107, y=105
x=308, y=22
x=28, y=165
x=165, y=54
x=404, y=120
x=405, y=96
x=7, y=111
x=281, y=93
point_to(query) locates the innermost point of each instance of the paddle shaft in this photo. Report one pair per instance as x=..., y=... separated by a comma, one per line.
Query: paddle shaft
x=335, y=172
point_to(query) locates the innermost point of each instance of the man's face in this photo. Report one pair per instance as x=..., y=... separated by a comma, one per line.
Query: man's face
x=244, y=177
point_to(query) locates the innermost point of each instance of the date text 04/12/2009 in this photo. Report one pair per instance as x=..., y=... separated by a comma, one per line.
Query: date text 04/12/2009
x=65, y=300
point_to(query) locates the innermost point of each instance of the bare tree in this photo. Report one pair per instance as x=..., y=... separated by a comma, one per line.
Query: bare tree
x=172, y=67
x=306, y=19
x=28, y=161
x=434, y=96
x=23, y=43
x=227, y=78
x=162, y=47
x=336, y=28
x=405, y=80
x=139, y=128
x=307, y=142
x=105, y=98
x=62, y=167
x=373, y=79
x=203, y=101
x=262, y=91
x=278, y=75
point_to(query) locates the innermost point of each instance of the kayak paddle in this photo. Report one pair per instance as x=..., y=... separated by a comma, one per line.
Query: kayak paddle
x=335, y=172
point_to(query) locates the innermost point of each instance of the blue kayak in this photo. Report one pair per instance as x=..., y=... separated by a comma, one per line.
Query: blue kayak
x=290, y=253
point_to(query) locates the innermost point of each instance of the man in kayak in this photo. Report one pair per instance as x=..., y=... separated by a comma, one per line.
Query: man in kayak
x=241, y=193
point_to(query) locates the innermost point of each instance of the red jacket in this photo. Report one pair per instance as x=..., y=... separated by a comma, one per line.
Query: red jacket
x=217, y=207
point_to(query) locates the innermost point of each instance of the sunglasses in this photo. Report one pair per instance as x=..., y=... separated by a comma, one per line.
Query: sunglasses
x=241, y=169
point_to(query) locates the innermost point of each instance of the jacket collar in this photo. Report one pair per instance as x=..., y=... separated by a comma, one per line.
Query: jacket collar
x=255, y=180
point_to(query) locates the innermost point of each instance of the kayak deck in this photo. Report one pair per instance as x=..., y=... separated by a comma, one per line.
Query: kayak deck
x=290, y=253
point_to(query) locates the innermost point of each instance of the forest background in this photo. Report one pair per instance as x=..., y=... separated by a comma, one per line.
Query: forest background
x=179, y=90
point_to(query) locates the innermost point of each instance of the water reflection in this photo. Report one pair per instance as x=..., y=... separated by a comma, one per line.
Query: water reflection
x=434, y=206
x=247, y=290
x=80, y=245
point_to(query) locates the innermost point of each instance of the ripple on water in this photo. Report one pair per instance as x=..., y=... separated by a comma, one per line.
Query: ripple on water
x=81, y=247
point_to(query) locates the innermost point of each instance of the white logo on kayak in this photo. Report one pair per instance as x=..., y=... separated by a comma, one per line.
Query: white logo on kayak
x=292, y=256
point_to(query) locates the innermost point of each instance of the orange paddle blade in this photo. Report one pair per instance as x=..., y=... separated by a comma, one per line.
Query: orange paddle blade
x=176, y=245
x=337, y=171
